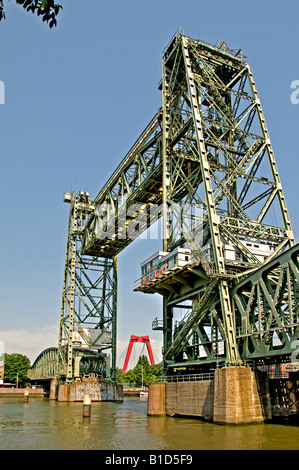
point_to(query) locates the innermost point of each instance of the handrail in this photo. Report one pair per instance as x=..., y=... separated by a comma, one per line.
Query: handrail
x=251, y=329
x=188, y=378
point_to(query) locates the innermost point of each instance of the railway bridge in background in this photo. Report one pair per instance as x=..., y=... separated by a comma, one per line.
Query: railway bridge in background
x=205, y=167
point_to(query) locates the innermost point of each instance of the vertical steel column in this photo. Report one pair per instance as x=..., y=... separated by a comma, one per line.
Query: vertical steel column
x=68, y=294
x=114, y=319
x=165, y=155
x=214, y=219
x=64, y=287
x=167, y=329
x=69, y=374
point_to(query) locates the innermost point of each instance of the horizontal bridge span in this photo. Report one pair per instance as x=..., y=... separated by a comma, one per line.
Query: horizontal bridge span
x=135, y=186
x=289, y=256
x=266, y=306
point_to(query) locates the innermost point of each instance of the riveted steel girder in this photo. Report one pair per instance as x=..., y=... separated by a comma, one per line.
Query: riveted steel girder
x=135, y=186
x=206, y=164
x=217, y=155
x=266, y=308
x=88, y=310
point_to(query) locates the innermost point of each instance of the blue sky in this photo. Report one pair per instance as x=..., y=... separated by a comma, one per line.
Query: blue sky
x=76, y=98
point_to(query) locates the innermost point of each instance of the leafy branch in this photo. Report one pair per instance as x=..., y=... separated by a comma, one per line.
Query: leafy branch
x=47, y=9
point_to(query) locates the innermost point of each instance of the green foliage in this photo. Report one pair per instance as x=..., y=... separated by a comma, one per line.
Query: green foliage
x=143, y=372
x=16, y=367
x=47, y=9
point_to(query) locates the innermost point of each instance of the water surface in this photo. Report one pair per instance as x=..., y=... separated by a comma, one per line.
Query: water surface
x=43, y=424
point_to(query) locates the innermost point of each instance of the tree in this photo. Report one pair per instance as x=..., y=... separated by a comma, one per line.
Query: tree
x=156, y=369
x=143, y=361
x=47, y=9
x=143, y=372
x=129, y=377
x=16, y=367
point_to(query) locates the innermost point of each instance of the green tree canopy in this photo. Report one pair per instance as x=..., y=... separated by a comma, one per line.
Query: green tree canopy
x=47, y=9
x=16, y=367
x=143, y=372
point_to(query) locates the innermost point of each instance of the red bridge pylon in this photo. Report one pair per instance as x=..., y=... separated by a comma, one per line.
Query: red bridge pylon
x=138, y=339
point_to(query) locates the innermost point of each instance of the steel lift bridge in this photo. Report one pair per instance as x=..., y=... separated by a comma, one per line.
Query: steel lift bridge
x=227, y=273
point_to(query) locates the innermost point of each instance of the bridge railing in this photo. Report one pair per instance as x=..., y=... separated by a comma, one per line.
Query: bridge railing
x=188, y=378
x=252, y=329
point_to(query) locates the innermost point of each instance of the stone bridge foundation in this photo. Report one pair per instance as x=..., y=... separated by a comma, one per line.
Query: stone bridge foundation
x=98, y=390
x=236, y=395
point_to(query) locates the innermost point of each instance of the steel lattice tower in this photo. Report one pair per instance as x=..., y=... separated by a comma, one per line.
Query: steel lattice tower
x=206, y=165
x=217, y=157
x=87, y=334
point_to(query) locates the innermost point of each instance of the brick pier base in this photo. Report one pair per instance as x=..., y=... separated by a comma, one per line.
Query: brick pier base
x=235, y=396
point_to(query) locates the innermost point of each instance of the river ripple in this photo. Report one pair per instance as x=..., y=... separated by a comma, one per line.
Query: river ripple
x=44, y=424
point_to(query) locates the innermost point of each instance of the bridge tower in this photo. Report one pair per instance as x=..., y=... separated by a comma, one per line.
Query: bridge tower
x=225, y=213
x=87, y=333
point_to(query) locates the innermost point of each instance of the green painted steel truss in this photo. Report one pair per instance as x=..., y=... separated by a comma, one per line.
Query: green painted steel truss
x=46, y=366
x=135, y=186
x=204, y=163
x=88, y=312
x=266, y=308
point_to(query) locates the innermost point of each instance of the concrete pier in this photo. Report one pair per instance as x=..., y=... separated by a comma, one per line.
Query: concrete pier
x=98, y=391
x=235, y=396
x=156, y=399
x=53, y=395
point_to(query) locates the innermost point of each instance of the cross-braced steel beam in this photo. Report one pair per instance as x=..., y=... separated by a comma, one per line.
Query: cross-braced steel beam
x=217, y=156
x=88, y=313
x=205, y=163
x=266, y=309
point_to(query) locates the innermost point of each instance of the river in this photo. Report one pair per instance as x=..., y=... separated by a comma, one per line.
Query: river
x=43, y=424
